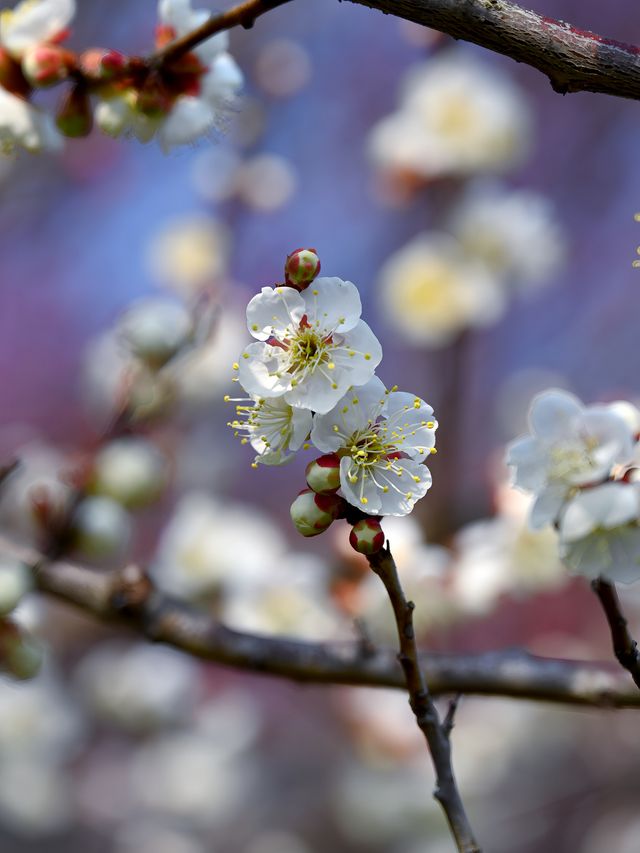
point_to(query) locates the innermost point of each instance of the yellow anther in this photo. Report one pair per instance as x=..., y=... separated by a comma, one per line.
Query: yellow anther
x=433, y=450
x=315, y=292
x=294, y=382
x=416, y=404
x=245, y=355
x=306, y=446
x=254, y=464
x=331, y=366
x=345, y=409
x=254, y=326
x=367, y=356
x=351, y=353
x=364, y=500
x=334, y=386
x=235, y=365
x=226, y=398
x=416, y=479
x=244, y=441
x=385, y=489
x=336, y=428
x=394, y=387
x=355, y=401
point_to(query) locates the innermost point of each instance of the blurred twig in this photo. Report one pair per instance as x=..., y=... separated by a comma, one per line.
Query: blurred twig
x=625, y=647
x=436, y=732
x=130, y=599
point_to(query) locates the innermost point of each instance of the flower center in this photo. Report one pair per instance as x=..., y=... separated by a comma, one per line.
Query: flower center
x=572, y=459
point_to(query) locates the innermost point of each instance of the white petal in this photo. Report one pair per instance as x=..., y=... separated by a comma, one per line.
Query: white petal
x=613, y=554
x=554, y=415
x=189, y=119
x=403, y=489
x=25, y=125
x=547, y=506
x=408, y=418
x=223, y=81
x=357, y=351
x=355, y=411
x=273, y=311
x=257, y=371
x=615, y=438
x=332, y=304
x=530, y=462
x=610, y=505
x=358, y=490
x=320, y=390
x=301, y=422
x=31, y=23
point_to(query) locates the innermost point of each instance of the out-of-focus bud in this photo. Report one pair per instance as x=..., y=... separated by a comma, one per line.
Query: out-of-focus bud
x=367, y=536
x=21, y=654
x=301, y=267
x=101, y=527
x=132, y=471
x=11, y=77
x=113, y=115
x=156, y=330
x=99, y=63
x=47, y=64
x=323, y=474
x=15, y=582
x=75, y=117
x=312, y=513
x=153, y=101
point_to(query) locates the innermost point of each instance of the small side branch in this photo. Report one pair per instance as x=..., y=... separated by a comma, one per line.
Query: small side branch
x=625, y=647
x=243, y=15
x=435, y=732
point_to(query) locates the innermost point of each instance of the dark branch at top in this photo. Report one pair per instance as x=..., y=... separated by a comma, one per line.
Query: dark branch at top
x=574, y=60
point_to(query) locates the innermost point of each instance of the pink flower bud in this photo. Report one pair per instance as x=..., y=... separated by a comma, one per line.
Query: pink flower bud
x=98, y=63
x=367, y=536
x=47, y=64
x=11, y=77
x=312, y=513
x=74, y=117
x=323, y=474
x=301, y=267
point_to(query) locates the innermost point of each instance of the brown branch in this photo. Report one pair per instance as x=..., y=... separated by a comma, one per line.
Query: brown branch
x=572, y=59
x=625, y=647
x=435, y=732
x=129, y=599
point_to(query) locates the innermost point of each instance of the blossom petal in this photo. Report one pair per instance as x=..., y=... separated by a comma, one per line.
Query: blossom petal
x=189, y=119
x=359, y=490
x=554, y=415
x=301, y=422
x=528, y=458
x=273, y=311
x=320, y=389
x=332, y=304
x=258, y=367
x=609, y=505
x=31, y=23
x=406, y=482
x=359, y=352
x=223, y=80
x=612, y=554
x=355, y=411
x=547, y=506
x=410, y=421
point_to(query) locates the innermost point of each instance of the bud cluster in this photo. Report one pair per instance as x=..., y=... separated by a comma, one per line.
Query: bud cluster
x=177, y=100
x=310, y=380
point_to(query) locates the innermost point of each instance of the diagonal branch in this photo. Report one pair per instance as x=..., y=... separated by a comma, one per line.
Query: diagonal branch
x=129, y=600
x=574, y=60
x=625, y=647
x=436, y=733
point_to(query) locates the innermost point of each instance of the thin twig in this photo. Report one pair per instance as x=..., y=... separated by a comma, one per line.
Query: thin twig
x=450, y=718
x=243, y=15
x=625, y=647
x=436, y=734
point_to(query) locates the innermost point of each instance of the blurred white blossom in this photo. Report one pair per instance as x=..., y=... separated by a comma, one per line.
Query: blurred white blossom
x=458, y=115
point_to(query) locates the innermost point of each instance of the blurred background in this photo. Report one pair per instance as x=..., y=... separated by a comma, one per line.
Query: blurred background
x=489, y=225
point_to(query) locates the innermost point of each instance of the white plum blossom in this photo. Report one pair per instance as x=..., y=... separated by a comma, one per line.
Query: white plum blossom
x=513, y=232
x=274, y=429
x=383, y=437
x=311, y=346
x=197, y=100
x=457, y=116
x=599, y=532
x=431, y=290
x=34, y=22
x=25, y=126
x=570, y=446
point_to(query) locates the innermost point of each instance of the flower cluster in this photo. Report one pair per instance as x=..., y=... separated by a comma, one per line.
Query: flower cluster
x=581, y=463
x=177, y=100
x=310, y=380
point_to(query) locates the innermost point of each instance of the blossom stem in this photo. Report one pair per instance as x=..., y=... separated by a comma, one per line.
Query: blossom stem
x=436, y=732
x=244, y=15
x=625, y=647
